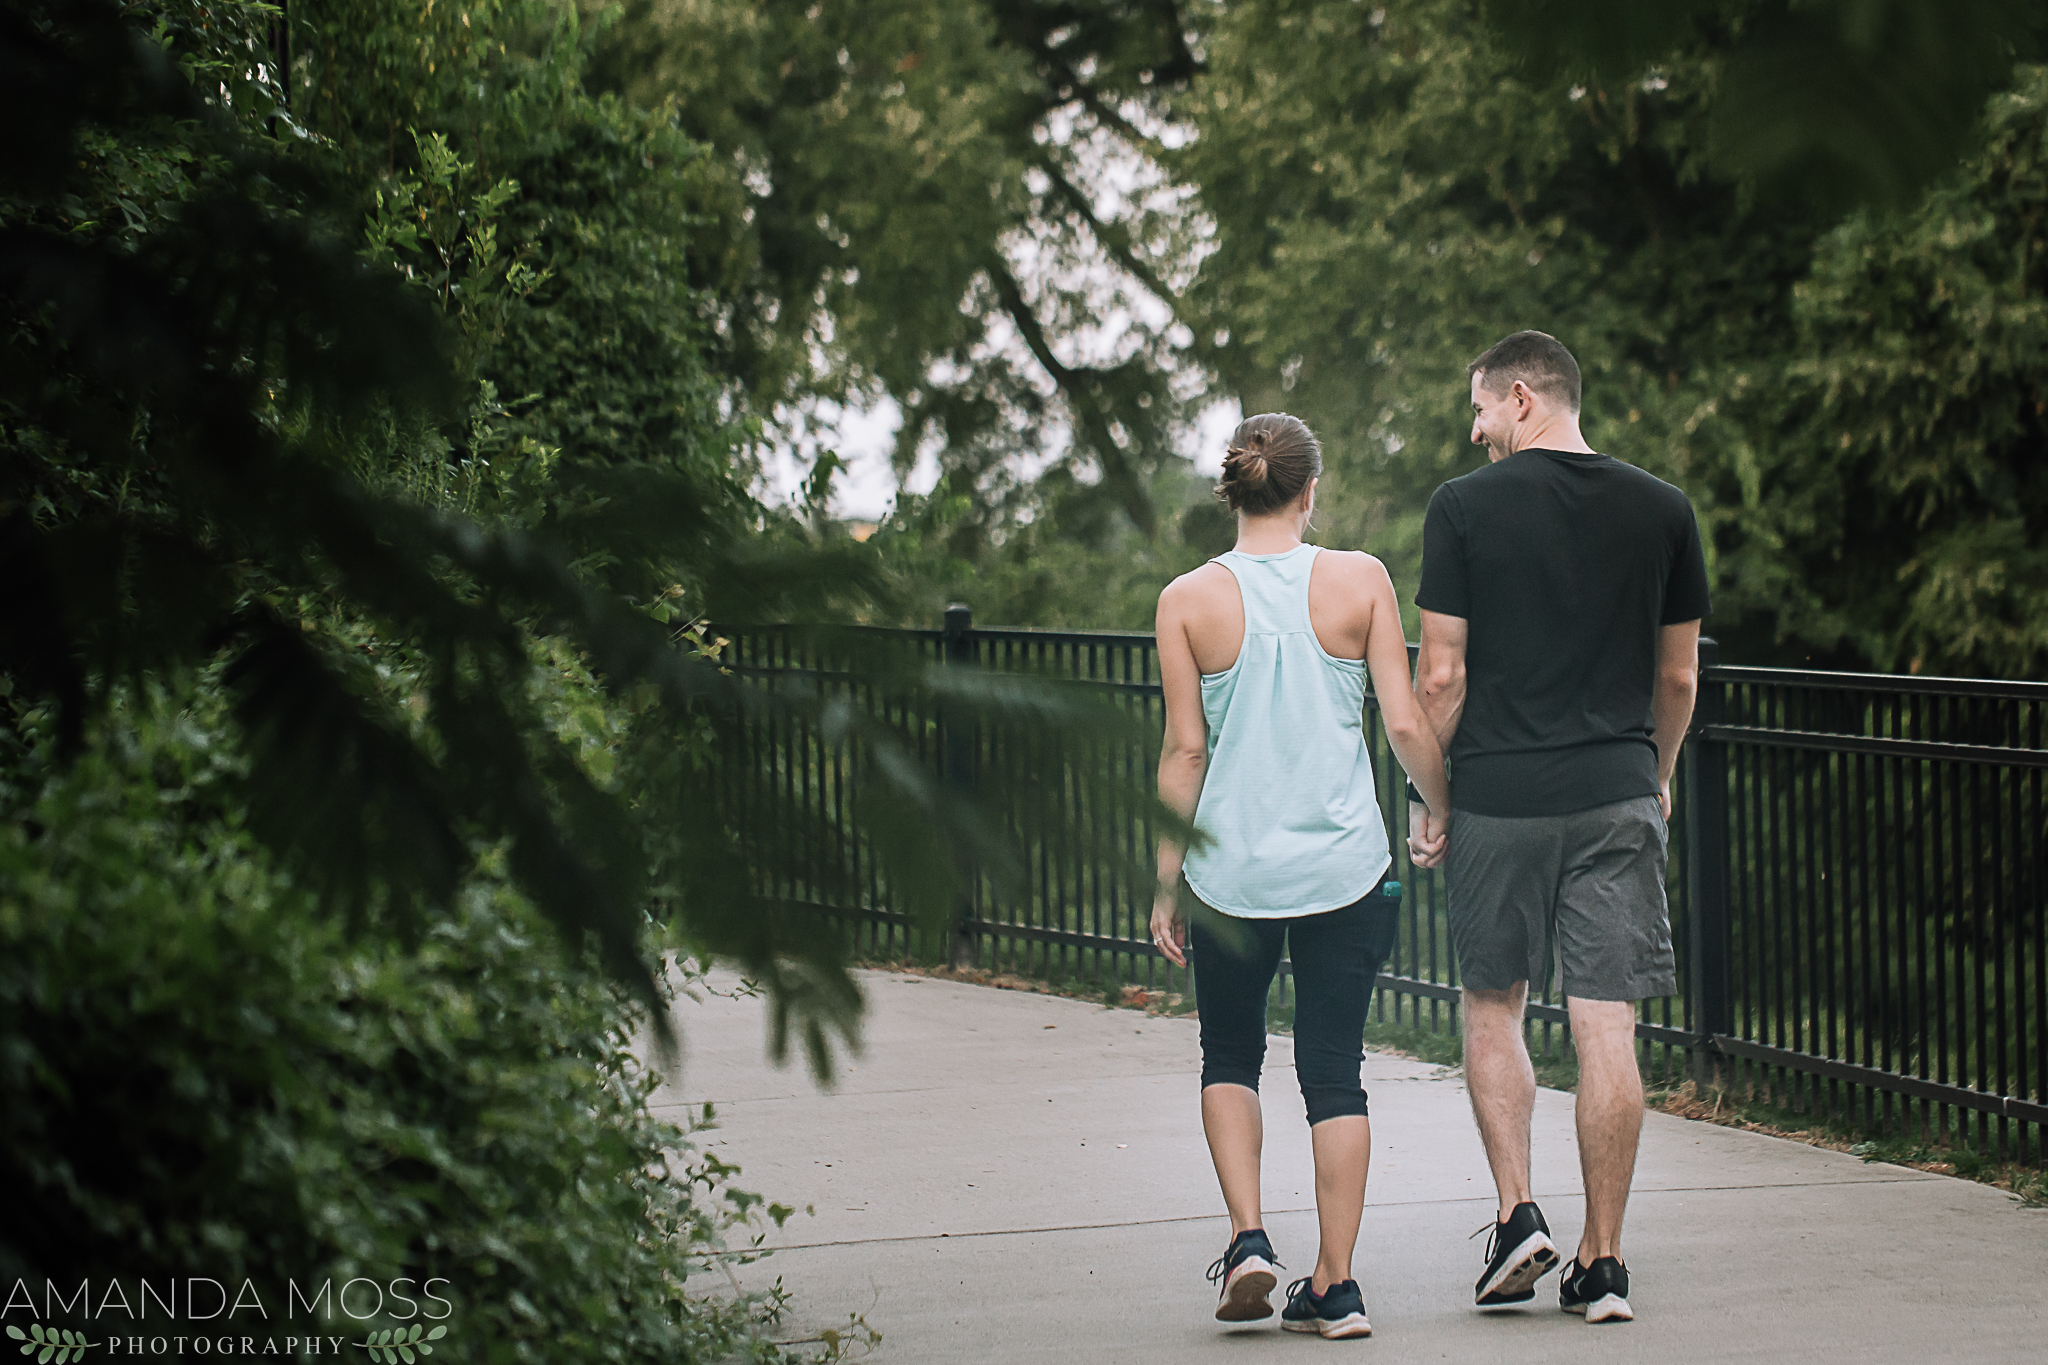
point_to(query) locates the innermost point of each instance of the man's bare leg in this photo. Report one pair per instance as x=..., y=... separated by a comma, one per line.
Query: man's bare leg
x=1609, y=1110
x=1501, y=1084
x=1343, y=1150
x=1236, y=1130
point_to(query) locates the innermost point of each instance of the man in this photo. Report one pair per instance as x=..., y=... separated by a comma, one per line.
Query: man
x=1561, y=598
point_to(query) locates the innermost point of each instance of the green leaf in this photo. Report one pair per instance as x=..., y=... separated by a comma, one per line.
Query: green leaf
x=438, y=1332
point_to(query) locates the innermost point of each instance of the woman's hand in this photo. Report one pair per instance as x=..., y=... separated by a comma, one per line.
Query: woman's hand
x=1169, y=929
x=1428, y=836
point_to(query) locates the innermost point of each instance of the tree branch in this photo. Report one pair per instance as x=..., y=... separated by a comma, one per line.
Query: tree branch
x=1075, y=383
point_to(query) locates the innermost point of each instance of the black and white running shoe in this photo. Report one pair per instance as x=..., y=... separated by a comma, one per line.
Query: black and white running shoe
x=1337, y=1312
x=1518, y=1254
x=1600, y=1291
x=1246, y=1272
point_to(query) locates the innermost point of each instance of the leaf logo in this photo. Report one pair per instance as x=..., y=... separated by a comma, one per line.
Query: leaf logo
x=58, y=1344
x=394, y=1344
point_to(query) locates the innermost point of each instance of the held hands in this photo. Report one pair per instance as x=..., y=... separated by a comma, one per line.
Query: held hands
x=1169, y=930
x=1428, y=835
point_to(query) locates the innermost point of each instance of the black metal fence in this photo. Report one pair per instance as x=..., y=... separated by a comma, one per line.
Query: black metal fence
x=1856, y=880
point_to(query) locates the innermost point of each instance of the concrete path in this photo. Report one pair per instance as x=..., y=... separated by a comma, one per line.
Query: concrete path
x=1004, y=1176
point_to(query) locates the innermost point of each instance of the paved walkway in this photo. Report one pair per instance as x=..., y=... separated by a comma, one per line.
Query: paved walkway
x=1012, y=1177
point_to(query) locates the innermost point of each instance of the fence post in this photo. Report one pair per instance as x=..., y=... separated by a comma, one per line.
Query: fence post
x=956, y=746
x=1706, y=813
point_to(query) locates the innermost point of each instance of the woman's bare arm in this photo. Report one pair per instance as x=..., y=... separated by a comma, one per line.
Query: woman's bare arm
x=1183, y=760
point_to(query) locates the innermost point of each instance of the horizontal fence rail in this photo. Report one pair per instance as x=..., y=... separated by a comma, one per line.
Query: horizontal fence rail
x=1856, y=874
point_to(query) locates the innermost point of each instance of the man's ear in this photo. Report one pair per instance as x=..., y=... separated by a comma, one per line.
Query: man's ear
x=1522, y=393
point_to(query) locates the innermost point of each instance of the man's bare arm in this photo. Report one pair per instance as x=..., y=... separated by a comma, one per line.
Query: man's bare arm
x=1678, y=684
x=1440, y=695
x=1440, y=673
x=1409, y=732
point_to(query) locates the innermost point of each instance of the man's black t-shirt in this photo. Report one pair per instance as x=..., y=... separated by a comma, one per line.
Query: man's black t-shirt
x=1564, y=565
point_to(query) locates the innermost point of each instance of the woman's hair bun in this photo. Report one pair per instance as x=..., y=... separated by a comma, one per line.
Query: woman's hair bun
x=1246, y=464
x=1270, y=459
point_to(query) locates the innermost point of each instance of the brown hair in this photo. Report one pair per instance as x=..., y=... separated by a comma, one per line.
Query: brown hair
x=1538, y=359
x=1271, y=459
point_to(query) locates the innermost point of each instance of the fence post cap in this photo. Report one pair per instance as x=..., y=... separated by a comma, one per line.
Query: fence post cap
x=959, y=617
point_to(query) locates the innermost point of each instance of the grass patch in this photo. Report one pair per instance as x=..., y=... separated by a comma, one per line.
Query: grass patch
x=1557, y=1070
x=1437, y=1047
x=1110, y=992
x=2027, y=1184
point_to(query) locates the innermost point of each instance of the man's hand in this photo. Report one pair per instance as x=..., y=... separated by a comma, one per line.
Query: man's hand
x=1664, y=795
x=1428, y=835
x=1169, y=930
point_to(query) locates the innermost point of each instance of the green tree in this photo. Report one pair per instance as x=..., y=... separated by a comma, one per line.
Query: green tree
x=367, y=433
x=1396, y=188
x=1897, y=501
x=890, y=172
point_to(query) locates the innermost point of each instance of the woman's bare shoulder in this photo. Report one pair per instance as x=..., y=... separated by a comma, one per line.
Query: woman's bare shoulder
x=1199, y=585
x=1354, y=566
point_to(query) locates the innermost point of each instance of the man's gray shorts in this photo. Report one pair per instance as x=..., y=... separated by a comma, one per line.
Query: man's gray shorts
x=1586, y=888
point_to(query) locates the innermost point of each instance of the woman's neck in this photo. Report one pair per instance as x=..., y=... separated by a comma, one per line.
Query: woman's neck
x=1268, y=535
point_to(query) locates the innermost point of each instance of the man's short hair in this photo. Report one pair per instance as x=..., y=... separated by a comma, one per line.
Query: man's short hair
x=1538, y=359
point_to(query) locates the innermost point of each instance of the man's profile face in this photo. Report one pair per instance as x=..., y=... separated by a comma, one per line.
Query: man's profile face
x=1493, y=418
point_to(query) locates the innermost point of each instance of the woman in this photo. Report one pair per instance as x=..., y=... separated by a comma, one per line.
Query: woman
x=1263, y=654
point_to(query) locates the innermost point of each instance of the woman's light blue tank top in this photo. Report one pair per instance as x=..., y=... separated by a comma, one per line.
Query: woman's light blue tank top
x=1288, y=803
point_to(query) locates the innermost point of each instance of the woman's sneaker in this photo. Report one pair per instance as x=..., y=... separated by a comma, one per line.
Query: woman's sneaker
x=1599, y=1290
x=1246, y=1271
x=1338, y=1311
x=1518, y=1254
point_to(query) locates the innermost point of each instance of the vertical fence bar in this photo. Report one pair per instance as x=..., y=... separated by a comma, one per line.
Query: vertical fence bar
x=1706, y=817
x=957, y=747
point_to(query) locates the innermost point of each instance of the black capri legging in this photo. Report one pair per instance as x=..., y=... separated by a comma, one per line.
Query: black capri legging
x=1336, y=957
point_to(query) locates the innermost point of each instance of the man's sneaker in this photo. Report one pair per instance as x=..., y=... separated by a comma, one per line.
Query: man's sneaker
x=1338, y=1311
x=1518, y=1254
x=1246, y=1271
x=1600, y=1291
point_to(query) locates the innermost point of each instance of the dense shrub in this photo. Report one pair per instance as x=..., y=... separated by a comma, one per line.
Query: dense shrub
x=201, y=1075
